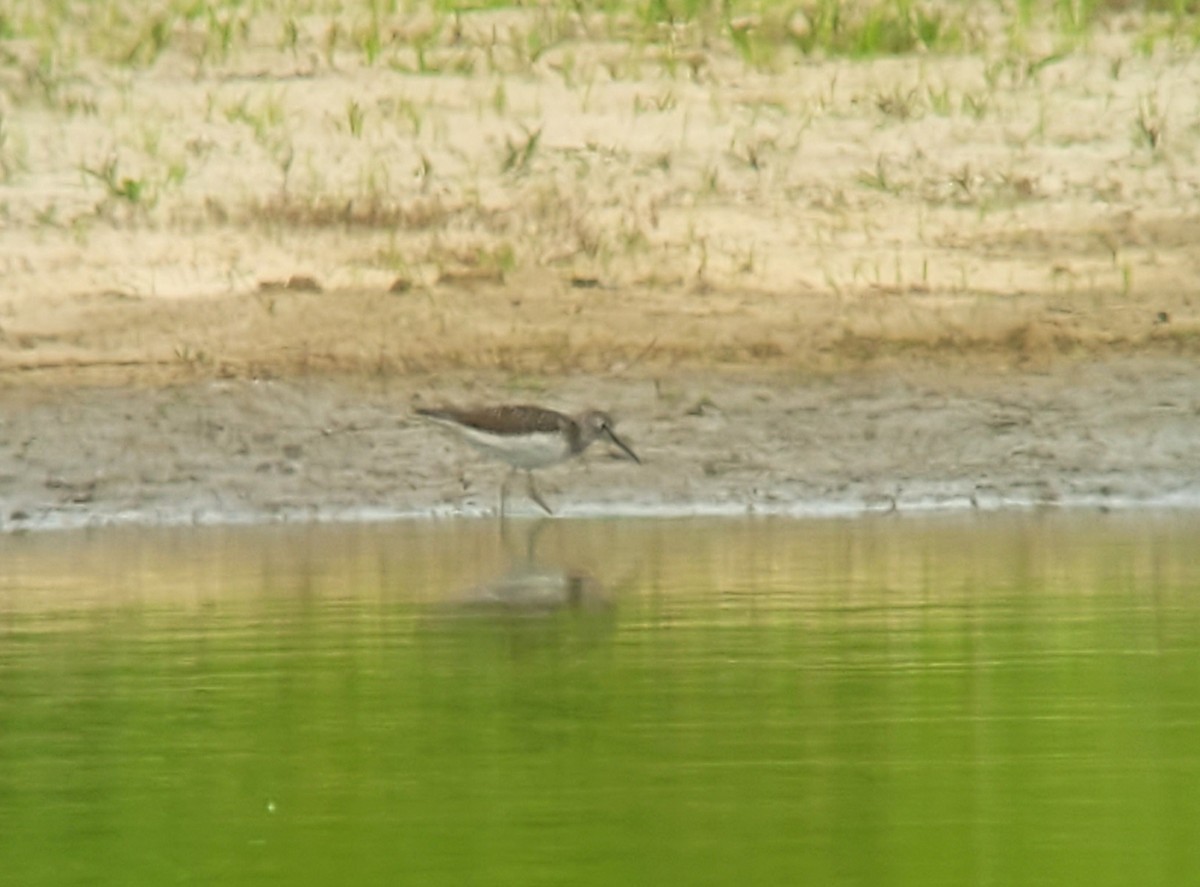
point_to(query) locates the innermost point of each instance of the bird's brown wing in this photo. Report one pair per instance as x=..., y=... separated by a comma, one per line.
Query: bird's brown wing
x=508, y=419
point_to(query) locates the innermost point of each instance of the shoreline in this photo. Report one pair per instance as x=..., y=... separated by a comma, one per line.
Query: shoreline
x=807, y=511
x=1107, y=435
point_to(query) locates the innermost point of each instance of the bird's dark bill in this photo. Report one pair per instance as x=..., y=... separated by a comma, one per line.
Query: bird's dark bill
x=613, y=437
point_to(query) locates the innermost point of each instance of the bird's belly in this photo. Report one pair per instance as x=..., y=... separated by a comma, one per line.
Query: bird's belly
x=527, y=451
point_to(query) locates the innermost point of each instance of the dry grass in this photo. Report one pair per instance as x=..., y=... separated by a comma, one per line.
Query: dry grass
x=647, y=186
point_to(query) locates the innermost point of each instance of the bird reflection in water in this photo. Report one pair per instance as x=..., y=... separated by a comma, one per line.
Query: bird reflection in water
x=538, y=590
x=532, y=588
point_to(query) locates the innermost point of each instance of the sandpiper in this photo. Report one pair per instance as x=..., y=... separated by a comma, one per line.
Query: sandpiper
x=527, y=437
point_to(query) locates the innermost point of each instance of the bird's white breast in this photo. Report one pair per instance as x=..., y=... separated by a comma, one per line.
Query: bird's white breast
x=525, y=451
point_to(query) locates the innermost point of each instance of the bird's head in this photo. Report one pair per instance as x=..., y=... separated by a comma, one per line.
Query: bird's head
x=597, y=424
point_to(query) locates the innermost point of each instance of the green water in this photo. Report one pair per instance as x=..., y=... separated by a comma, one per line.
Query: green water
x=968, y=700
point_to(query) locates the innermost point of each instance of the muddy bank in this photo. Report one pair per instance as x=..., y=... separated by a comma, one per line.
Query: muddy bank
x=1111, y=434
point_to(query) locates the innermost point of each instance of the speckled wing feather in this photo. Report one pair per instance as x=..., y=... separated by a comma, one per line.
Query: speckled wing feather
x=511, y=419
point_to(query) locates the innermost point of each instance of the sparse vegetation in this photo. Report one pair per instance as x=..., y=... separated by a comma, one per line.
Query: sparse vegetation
x=518, y=153
x=133, y=191
x=1150, y=124
x=699, y=151
x=354, y=118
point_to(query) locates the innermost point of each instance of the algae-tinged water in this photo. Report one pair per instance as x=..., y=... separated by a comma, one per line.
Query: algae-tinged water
x=951, y=700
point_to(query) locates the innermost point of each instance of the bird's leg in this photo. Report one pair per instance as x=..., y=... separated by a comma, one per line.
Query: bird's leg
x=504, y=490
x=531, y=542
x=533, y=494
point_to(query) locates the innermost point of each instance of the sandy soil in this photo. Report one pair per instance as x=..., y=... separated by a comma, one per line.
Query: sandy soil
x=817, y=284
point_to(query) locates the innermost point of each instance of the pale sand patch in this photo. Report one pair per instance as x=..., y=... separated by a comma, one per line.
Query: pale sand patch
x=728, y=213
